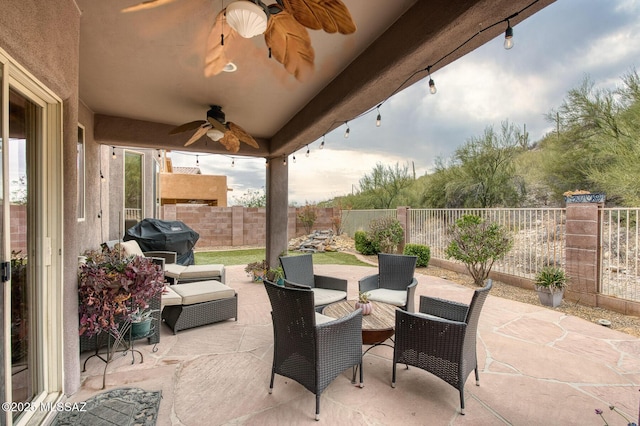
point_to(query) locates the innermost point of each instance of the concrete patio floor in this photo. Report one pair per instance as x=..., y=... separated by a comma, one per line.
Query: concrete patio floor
x=537, y=367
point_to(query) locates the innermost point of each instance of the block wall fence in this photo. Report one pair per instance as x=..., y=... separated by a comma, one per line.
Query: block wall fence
x=239, y=226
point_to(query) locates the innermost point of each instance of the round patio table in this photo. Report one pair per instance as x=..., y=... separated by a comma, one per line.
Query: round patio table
x=377, y=327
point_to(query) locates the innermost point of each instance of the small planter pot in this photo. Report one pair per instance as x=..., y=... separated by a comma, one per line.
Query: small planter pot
x=141, y=328
x=547, y=298
x=367, y=308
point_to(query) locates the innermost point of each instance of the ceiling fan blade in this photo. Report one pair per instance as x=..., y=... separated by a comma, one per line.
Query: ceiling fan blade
x=147, y=4
x=230, y=141
x=241, y=134
x=216, y=58
x=198, y=134
x=290, y=44
x=217, y=125
x=187, y=126
x=328, y=15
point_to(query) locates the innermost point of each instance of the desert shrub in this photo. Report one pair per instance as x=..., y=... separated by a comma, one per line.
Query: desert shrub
x=421, y=251
x=478, y=244
x=308, y=215
x=386, y=234
x=363, y=244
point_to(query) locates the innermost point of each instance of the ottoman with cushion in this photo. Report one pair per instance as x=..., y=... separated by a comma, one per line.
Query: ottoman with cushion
x=201, y=303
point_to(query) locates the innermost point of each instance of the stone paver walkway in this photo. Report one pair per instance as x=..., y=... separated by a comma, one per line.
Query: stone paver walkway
x=537, y=367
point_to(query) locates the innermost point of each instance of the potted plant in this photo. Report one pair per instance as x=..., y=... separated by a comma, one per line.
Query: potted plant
x=276, y=275
x=141, y=321
x=112, y=286
x=257, y=270
x=550, y=282
x=364, y=303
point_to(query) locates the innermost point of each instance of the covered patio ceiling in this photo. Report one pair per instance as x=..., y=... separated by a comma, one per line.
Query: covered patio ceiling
x=142, y=73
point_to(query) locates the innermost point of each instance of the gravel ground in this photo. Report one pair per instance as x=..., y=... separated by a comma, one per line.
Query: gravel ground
x=624, y=323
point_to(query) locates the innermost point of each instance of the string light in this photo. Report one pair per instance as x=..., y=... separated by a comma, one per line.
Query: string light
x=508, y=44
x=113, y=152
x=284, y=160
x=102, y=176
x=233, y=162
x=197, y=160
x=266, y=162
x=308, y=152
x=294, y=158
x=159, y=154
x=508, y=36
x=432, y=84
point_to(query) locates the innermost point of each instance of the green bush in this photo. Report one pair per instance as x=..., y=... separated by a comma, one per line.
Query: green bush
x=386, y=234
x=363, y=244
x=423, y=252
x=478, y=244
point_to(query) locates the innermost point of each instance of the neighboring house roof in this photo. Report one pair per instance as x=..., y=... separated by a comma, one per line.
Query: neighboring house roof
x=187, y=170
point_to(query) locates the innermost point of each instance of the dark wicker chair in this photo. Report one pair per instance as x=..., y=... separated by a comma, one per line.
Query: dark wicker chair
x=441, y=339
x=311, y=354
x=298, y=271
x=394, y=283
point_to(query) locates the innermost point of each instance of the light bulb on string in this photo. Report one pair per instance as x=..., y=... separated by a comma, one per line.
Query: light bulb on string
x=379, y=117
x=322, y=143
x=284, y=160
x=197, y=160
x=113, y=152
x=508, y=36
x=294, y=158
x=346, y=132
x=266, y=162
x=308, y=152
x=233, y=162
x=102, y=176
x=432, y=84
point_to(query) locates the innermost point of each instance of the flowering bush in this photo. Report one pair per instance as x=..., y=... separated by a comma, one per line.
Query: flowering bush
x=112, y=287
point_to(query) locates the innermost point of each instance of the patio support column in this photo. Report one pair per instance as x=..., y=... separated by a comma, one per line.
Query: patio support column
x=277, y=208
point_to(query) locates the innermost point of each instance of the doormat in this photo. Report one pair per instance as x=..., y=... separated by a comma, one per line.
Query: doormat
x=122, y=407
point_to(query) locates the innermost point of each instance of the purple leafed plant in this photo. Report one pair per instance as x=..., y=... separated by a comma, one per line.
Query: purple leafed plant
x=111, y=286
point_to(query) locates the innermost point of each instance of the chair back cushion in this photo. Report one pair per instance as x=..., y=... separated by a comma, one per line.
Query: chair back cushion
x=298, y=269
x=396, y=271
x=131, y=248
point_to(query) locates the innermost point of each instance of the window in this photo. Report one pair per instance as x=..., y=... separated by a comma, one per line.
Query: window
x=133, y=187
x=80, y=162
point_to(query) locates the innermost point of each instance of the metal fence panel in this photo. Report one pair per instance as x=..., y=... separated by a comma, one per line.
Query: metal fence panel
x=619, y=244
x=358, y=220
x=538, y=235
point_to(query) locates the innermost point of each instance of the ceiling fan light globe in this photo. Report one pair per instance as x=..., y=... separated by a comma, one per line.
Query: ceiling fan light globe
x=247, y=18
x=215, y=134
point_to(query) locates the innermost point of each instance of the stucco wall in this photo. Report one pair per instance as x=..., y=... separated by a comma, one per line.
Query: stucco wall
x=43, y=37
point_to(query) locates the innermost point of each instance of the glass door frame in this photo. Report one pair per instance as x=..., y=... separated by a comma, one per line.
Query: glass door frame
x=45, y=239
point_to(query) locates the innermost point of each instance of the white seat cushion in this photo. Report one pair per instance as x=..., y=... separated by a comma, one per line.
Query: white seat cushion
x=170, y=297
x=203, y=291
x=392, y=297
x=323, y=296
x=190, y=272
x=321, y=319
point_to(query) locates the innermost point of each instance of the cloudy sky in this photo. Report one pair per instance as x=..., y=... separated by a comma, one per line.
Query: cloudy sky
x=553, y=52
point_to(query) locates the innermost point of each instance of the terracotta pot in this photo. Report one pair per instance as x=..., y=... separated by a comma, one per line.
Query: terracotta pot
x=367, y=308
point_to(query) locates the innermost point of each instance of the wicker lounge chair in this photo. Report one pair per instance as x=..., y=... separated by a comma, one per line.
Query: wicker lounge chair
x=176, y=274
x=394, y=283
x=441, y=339
x=298, y=271
x=310, y=348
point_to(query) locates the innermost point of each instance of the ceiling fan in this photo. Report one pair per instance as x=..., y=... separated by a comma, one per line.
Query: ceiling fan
x=284, y=25
x=215, y=127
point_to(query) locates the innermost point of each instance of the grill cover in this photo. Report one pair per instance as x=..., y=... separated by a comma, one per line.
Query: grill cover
x=165, y=235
